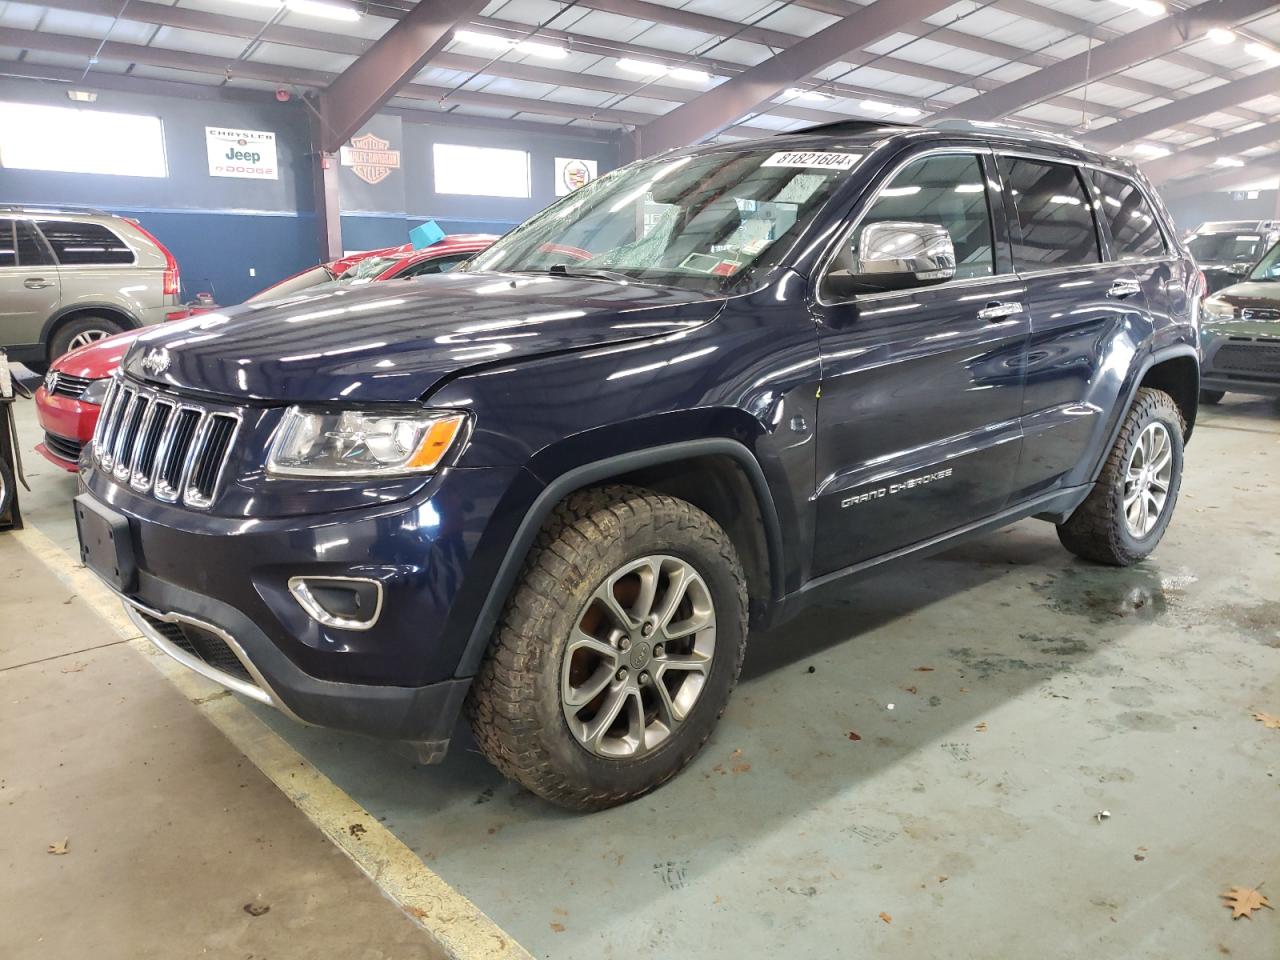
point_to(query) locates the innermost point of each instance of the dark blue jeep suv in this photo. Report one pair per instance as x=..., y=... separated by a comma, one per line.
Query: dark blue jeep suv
x=556, y=487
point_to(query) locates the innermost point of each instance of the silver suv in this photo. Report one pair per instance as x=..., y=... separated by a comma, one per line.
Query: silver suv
x=69, y=277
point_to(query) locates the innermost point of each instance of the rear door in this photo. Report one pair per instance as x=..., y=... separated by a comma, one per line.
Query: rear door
x=918, y=418
x=29, y=292
x=1081, y=307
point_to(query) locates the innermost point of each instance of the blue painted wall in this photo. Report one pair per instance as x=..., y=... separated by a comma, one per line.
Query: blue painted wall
x=233, y=237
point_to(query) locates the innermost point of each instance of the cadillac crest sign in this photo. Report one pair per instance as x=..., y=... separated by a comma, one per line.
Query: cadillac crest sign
x=369, y=158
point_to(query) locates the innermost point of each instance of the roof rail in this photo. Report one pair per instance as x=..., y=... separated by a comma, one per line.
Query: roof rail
x=1002, y=126
x=845, y=126
x=51, y=208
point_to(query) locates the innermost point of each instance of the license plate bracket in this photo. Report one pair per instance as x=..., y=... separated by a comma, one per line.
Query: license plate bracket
x=106, y=543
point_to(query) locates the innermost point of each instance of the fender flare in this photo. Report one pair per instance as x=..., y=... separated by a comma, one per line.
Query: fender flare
x=46, y=332
x=1153, y=358
x=589, y=473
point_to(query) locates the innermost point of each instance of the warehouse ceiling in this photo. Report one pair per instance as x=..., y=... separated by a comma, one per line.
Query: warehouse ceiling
x=1190, y=91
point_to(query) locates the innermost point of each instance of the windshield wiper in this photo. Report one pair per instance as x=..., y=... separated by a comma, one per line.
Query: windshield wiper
x=589, y=273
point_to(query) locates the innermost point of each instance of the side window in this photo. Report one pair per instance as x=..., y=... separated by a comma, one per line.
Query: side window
x=8, y=249
x=84, y=243
x=438, y=265
x=31, y=249
x=1135, y=231
x=1057, y=222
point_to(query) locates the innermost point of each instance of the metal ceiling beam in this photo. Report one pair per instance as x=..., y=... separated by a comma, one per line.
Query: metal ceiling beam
x=394, y=59
x=718, y=108
x=1202, y=104
x=1227, y=180
x=1155, y=40
x=1187, y=161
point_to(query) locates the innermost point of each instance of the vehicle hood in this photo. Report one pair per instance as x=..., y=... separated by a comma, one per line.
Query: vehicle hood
x=394, y=342
x=1257, y=306
x=99, y=359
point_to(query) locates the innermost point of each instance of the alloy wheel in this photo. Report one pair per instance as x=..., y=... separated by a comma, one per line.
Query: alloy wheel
x=639, y=657
x=1147, y=479
x=86, y=337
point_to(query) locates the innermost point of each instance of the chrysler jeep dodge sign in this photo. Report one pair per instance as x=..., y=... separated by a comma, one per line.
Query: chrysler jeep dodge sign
x=250, y=154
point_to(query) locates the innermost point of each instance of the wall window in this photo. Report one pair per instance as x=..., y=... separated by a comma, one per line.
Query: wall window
x=67, y=140
x=1055, y=213
x=1135, y=232
x=481, y=171
x=79, y=243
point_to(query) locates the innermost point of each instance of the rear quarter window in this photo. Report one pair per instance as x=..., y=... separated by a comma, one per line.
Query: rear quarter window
x=1135, y=230
x=78, y=244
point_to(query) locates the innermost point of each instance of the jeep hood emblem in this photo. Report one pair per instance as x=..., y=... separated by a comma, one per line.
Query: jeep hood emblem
x=156, y=361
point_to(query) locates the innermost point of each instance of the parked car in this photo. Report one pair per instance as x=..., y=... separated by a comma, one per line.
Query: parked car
x=69, y=277
x=1240, y=338
x=69, y=400
x=1227, y=249
x=558, y=493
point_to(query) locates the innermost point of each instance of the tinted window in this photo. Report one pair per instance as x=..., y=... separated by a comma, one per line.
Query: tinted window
x=1135, y=232
x=31, y=249
x=8, y=249
x=948, y=191
x=438, y=265
x=1219, y=247
x=80, y=243
x=1057, y=223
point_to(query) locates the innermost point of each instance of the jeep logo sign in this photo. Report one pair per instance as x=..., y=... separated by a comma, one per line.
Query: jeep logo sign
x=247, y=154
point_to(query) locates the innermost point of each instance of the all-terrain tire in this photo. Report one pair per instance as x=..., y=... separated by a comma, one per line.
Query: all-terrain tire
x=515, y=704
x=1212, y=396
x=1097, y=529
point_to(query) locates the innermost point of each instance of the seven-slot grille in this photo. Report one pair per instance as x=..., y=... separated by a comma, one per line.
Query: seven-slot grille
x=68, y=386
x=1248, y=358
x=162, y=445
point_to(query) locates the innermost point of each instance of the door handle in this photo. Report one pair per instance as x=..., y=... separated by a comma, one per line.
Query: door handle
x=37, y=283
x=1124, y=288
x=998, y=310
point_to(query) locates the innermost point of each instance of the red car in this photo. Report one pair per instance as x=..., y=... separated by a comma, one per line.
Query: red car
x=68, y=403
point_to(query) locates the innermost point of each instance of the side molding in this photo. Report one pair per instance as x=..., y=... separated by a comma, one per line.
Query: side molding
x=590, y=473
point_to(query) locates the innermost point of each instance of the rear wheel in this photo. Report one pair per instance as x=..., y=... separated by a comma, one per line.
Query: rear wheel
x=1212, y=396
x=1129, y=508
x=81, y=332
x=617, y=650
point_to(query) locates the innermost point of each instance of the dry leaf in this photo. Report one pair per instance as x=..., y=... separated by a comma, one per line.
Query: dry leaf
x=853, y=736
x=911, y=689
x=885, y=917
x=557, y=927
x=257, y=909
x=982, y=727
x=61, y=847
x=1268, y=720
x=1242, y=902
x=76, y=667
x=924, y=669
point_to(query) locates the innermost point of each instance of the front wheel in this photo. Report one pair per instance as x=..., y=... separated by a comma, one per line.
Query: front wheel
x=1129, y=508
x=617, y=651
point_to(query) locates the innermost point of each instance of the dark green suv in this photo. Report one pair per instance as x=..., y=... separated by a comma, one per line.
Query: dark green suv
x=1240, y=335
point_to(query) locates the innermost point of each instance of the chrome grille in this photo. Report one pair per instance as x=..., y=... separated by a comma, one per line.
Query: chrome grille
x=158, y=444
x=68, y=386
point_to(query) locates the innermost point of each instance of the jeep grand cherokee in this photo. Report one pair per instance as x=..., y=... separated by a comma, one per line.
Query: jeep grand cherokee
x=557, y=494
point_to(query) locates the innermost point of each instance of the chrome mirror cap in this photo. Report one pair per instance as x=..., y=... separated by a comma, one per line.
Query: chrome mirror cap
x=922, y=251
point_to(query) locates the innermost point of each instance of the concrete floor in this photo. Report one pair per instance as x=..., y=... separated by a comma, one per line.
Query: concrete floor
x=929, y=789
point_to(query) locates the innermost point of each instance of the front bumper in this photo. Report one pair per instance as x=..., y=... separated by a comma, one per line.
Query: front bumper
x=1240, y=363
x=68, y=425
x=213, y=592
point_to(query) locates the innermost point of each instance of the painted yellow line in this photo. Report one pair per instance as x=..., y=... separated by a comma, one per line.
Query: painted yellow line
x=457, y=925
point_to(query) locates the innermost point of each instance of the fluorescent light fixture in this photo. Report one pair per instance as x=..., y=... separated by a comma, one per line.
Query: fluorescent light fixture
x=490, y=42
x=907, y=111
x=877, y=105
x=1152, y=8
x=1150, y=150
x=1262, y=52
x=82, y=96
x=646, y=67
x=272, y=4
x=319, y=8
x=1220, y=36
x=969, y=188
x=1228, y=162
x=800, y=93
x=685, y=73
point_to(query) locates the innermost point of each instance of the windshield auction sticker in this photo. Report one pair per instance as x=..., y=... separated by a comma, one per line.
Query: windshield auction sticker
x=813, y=160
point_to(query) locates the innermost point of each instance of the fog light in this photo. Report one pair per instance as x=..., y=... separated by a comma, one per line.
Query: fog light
x=345, y=603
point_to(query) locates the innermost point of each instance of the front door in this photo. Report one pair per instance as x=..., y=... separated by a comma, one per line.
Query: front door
x=28, y=284
x=918, y=418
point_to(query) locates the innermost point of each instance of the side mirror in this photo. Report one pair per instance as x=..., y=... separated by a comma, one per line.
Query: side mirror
x=894, y=255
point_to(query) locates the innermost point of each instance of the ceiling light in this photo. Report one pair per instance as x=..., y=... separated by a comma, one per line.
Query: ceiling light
x=1150, y=150
x=319, y=8
x=82, y=96
x=1220, y=36
x=1262, y=52
x=1228, y=162
x=800, y=93
x=1152, y=8
x=490, y=42
x=646, y=67
x=685, y=73
x=907, y=111
x=876, y=105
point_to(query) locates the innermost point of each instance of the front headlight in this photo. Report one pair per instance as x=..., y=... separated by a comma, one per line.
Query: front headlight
x=1216, y=309
x=362, y=443
x=96, y=392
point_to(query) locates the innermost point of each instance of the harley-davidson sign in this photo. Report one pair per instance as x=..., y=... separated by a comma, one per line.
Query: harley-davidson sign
x=369, y=158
